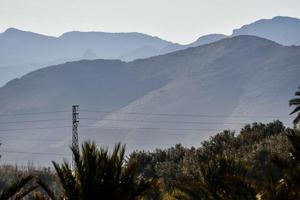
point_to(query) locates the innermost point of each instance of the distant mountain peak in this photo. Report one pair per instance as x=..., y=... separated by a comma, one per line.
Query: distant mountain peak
x=281, y=29
x=72, y=33
x=12, y=30
x=284, y=18
x=78, y=33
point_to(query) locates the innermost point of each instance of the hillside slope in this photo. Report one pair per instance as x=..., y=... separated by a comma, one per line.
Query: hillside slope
x=184, y=96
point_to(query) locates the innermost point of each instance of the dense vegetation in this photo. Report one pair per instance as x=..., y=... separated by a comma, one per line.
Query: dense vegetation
x=261, y=162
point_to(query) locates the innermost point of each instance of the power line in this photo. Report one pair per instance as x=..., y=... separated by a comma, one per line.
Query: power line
x=146, y=113
x=128, y=120
x=86, y=139
x=130, y=128
x=122, y=128
x=163, y=121
x=37, y=128
x=33, y=121
x=113, y=128
x=168, y=129
x=30, y=140
x=156, y=128
x=34, y=153
x=183, y=115
x=35, y=113
x=75, y=125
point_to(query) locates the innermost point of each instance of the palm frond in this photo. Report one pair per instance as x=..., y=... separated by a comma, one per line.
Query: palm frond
x=15, y=188
x=45, y=187
x=67, y=180
x=297, y=119
x=22, y=194
x=295, y=110
x=295, y=101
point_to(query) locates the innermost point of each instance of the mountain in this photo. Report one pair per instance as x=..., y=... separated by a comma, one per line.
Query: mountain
x=184, y=96
x=283, y=30
x=23, y=51
x=19, y=47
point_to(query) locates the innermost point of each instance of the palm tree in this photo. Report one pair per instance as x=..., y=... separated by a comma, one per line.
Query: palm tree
x=296, y=102
x=223, y=177
x=16, y=191
x=101, y=175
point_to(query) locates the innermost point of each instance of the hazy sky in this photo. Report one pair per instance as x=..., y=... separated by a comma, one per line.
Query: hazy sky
x=176, y=20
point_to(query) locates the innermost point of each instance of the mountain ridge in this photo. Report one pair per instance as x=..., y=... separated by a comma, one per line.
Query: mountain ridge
x=24, y=51
x=281, y=29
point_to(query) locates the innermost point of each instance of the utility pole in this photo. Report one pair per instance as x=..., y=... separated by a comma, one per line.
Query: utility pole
x=75, y=123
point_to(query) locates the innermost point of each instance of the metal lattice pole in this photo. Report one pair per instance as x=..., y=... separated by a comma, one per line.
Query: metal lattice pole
x=75, y=123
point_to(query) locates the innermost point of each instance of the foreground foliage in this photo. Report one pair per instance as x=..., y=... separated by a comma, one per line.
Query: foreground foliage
x=100, y=174
x=17, y=189
x=262, y=162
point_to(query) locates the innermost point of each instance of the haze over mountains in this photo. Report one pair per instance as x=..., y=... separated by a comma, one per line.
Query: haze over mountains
x=184, y=96
x=22, y=51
